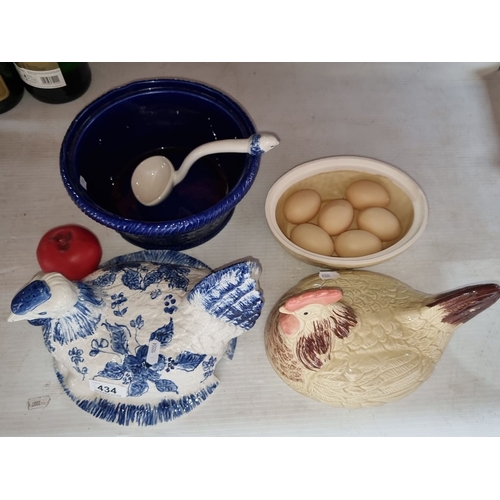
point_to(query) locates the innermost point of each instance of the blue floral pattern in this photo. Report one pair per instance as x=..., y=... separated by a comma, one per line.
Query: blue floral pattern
x=169, y=302
x=140, y=302
x=209, y=367
x=75, y=355
x=139, y=372
x=117, y=301
x=98, y=346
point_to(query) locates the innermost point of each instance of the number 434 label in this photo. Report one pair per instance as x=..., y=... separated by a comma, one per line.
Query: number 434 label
x=109, y=389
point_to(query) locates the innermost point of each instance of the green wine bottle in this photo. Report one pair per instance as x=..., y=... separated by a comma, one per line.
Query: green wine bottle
x=11, y=87
x=55, y=83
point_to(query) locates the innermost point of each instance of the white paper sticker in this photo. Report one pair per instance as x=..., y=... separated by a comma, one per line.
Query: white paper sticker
x=39, y=402
x=108, y=389
x=153, y=352
x=328, y=275
x=51, y=79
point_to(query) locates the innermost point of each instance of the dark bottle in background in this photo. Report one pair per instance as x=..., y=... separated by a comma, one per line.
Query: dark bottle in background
x=11, y=86
x=55, y=83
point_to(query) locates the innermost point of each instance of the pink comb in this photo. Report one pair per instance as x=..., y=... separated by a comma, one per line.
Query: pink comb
x=323, y=297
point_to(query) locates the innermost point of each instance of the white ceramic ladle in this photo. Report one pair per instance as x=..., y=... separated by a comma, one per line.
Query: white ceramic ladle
x=155, y=177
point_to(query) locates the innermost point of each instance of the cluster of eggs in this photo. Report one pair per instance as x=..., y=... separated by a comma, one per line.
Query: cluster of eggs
x=352, y=227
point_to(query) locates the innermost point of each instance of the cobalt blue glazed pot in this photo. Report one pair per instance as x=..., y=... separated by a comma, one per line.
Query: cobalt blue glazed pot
x=169, y=117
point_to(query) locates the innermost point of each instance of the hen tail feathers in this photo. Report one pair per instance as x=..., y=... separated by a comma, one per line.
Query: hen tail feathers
x=465, y=303
x=231, y=294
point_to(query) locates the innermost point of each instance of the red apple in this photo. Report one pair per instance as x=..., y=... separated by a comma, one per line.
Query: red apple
x=71, y=250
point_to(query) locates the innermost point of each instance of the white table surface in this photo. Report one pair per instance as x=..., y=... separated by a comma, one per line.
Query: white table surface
x=440, y=123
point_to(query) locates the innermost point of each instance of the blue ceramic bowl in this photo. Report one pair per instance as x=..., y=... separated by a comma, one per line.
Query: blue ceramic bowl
x=113, y=134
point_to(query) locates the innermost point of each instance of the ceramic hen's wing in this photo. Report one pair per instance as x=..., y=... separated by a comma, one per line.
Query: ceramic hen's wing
x=371, y=379
x=231, y=294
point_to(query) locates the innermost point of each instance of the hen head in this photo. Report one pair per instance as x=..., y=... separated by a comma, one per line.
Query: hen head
x=312, y=320
x=45, y=296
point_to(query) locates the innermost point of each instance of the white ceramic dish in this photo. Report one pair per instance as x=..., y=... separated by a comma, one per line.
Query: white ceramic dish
x=330, y=177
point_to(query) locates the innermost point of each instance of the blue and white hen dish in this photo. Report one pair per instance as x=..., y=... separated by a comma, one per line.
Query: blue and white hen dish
x=137, y=341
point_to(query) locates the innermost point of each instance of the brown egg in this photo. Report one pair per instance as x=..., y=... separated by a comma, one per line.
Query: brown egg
x=312, y=238
x=364, y=193
x=379, y=221
x=335, y=216
x=302, y=206
x=356, y=243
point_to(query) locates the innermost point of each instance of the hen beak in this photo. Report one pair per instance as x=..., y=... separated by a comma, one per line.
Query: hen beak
x=14, y=317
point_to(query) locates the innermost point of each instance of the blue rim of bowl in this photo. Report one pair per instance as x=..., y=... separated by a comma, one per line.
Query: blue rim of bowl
x=131, y=226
